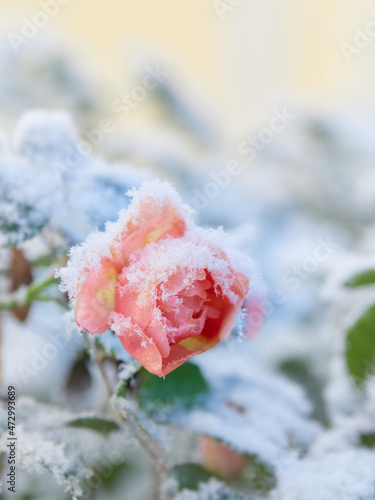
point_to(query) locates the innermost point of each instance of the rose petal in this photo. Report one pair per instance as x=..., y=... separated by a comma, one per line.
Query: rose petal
x=137, y=305
x=96, y=298
x=156, y=330
x=185, y=350
x=153, y=223
x=136, y=343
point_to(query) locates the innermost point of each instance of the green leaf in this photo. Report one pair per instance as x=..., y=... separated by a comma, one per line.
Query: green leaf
x=180, y=388
x=261, y=475
x=300, y=372
x=96, y=424
x=360, y=346
x=362, y=278
x=117, y=472
x=368, y=440
x=190, y=475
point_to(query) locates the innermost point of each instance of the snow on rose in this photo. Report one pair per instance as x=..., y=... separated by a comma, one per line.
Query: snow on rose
x=166, y=287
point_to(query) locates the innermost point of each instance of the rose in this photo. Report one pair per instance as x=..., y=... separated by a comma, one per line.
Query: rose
x=220, y=459
x=162, y=284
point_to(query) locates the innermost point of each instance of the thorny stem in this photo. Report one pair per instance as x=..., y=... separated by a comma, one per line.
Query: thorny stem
x=145, y=439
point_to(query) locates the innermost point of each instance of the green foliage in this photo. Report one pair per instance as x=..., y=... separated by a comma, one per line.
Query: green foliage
x=363, y=278
x=300, y=372
x=118, y=471
x=181, y=388
x=96, y=424
x=360, y=346
x=190, y=475
x=262, y=477
x=368, y=440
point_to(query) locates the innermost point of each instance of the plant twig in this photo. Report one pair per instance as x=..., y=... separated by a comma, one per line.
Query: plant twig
x=144, y=437
x=26, y=295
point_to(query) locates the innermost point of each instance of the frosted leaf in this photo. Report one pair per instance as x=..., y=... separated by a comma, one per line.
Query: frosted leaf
x=212, y=490
x=349, y=304
x=324, y=162
x=343, y=268
x=94, y=195
x=25, y=201
x=43, y=136
x=47, y=444
x=78, y=187
x=42, y=448
x=38, y=455
x=253, y=411
x=43, y=73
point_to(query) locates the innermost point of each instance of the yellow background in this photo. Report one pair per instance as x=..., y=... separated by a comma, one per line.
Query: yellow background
x=260, y=53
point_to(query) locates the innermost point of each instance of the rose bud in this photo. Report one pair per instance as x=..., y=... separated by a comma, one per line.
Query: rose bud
x=220, y=459
x=166, y=287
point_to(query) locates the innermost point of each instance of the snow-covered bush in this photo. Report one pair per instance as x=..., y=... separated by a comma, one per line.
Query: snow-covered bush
x=285, y=379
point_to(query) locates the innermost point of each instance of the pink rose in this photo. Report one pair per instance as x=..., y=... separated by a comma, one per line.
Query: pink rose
x=220, y=459
x=162, y=284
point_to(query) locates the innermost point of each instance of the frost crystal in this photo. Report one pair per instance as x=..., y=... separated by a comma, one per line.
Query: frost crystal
x=193, y=251
x=212, y=490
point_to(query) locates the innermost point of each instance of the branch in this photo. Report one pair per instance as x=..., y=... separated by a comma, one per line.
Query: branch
x=147, y=441
x=26, y=295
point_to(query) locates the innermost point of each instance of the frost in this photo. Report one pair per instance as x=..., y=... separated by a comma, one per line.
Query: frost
x=212, y=490
x=44, y=74
x=43, y=136
x=347, y=475
x=189, y=253
x=194, y=252
x=73, y=456
x=314, y=179
x=25, y=200
x=41, y=446
x=39, y=186
x=128, y=370
x=96, y=193
x=38, y=455
x=370, y=390
x=253, y=411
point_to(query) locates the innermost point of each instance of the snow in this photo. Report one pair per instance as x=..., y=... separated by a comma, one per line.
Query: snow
x=40, y=187
x=313, y=180
x=196, y=250
x=212, y=490
x=43, y=136
x=26, y=199
x=345, y=475
x=190, y=255
x=252, y=410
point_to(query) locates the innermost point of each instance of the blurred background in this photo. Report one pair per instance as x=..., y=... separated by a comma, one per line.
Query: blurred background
x=262, y=114
x=241, y=59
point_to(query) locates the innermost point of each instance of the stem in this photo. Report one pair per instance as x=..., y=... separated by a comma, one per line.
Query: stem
x=146, y=440
x=25, y=295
